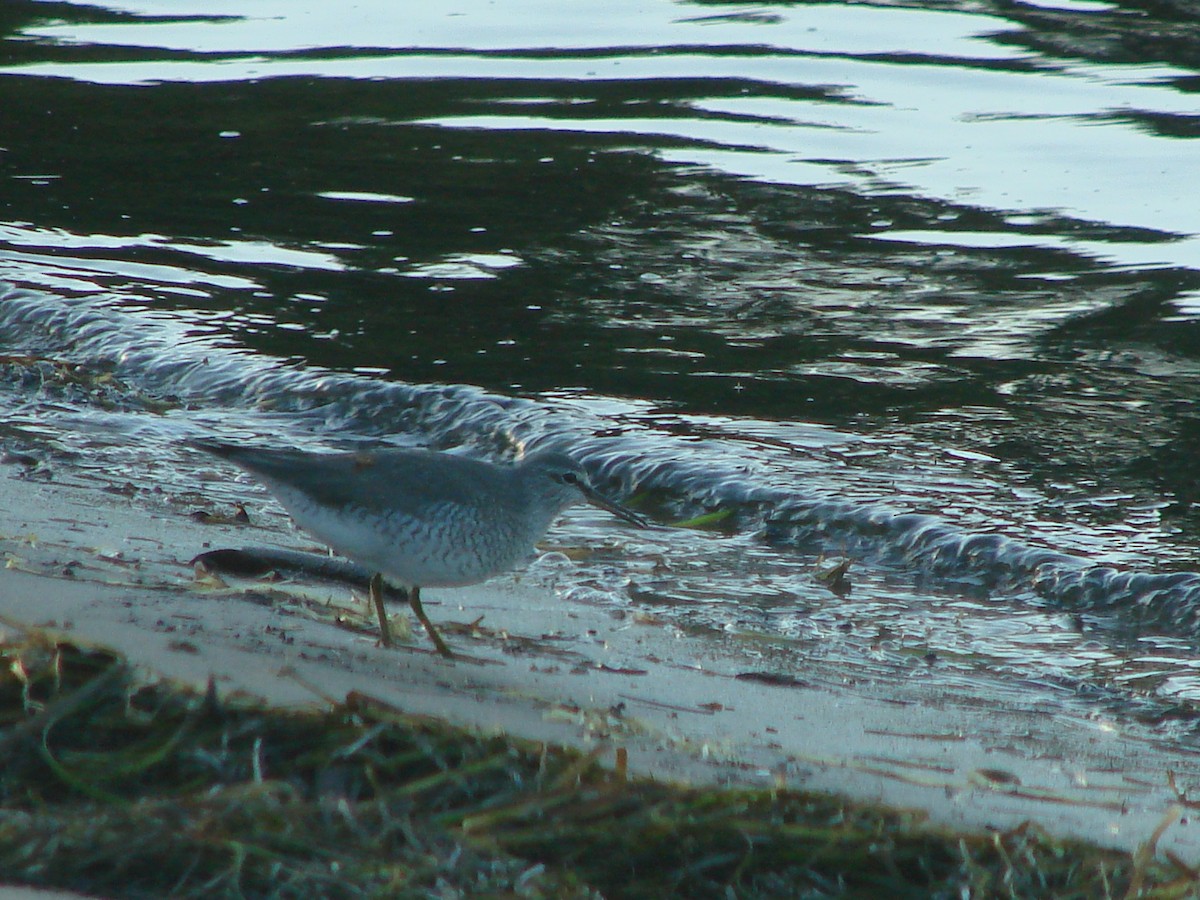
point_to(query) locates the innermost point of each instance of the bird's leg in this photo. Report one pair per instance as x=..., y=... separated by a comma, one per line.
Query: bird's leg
x=376, y=593
x=414, y=600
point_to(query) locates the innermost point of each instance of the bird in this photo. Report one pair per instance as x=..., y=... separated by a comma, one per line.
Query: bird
x=419, y=517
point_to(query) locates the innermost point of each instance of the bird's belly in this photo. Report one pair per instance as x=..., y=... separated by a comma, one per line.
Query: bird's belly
x=447, y=547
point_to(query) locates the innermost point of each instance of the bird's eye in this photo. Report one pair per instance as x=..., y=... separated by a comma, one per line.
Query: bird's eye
x=569, y=478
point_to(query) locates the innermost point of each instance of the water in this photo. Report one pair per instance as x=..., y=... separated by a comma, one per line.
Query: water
x=913, y=287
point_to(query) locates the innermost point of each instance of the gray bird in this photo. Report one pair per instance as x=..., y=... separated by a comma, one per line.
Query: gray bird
x=422, y=519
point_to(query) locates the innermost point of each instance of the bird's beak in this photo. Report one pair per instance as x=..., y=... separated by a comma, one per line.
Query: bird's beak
x=595, y=498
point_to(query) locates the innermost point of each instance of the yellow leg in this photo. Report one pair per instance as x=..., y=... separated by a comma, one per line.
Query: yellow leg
x=414, y=600
x=376, y=592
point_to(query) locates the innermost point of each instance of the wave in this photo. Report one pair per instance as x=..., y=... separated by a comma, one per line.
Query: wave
x=168, y=356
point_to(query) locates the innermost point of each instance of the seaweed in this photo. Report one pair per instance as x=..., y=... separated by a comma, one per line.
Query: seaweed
x=122, y=785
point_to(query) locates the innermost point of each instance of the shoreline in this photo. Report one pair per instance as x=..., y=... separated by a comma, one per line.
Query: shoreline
x=106, y=564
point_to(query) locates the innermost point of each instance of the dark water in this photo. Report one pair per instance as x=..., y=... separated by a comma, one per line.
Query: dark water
x=913, y=285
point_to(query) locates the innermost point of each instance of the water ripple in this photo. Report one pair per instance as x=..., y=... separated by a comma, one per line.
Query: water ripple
x=679, y=477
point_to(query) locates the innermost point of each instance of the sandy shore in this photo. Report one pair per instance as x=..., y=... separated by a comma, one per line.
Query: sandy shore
x=110, y=566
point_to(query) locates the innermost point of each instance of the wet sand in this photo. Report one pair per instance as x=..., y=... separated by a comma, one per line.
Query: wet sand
x=104, y=561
